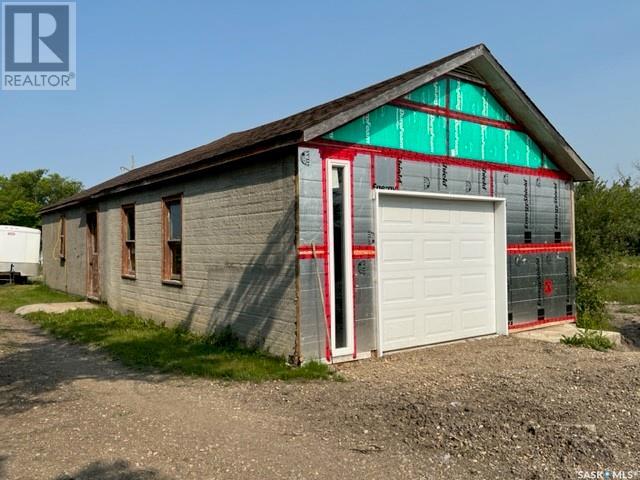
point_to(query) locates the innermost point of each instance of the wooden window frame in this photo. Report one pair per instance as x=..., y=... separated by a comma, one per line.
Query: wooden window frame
x=168, y=277
x=127, y=244
x=62, y=237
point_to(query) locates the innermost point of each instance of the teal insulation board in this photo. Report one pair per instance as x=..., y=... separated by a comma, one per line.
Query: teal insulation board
x=473, y=99
x=395, y=127
x=404, y=128
x=497, y=145
x=433, y=93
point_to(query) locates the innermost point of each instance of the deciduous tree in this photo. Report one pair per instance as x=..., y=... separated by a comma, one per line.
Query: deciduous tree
x=23, y=194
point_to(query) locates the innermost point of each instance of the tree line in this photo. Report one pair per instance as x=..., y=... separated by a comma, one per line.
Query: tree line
x=23, y=194
x=607, y=230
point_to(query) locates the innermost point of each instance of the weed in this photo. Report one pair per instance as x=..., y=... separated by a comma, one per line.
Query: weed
x=588, y=339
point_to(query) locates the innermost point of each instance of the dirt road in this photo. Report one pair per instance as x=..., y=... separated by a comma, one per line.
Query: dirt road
x=492, y=408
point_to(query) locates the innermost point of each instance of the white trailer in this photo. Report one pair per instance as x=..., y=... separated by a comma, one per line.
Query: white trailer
x=19, y=252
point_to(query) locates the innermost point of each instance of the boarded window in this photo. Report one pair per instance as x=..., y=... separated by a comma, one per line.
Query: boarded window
x=62, y=227
x=129, y=240
x=172, y=238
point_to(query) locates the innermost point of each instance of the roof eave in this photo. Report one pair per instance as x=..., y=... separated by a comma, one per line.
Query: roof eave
x=274, y=143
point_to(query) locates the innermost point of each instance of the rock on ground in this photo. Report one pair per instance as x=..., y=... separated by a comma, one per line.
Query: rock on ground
x=61, y=307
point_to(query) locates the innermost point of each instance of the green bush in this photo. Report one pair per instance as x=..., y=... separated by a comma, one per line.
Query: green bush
x=590, y=302
x=607, y=218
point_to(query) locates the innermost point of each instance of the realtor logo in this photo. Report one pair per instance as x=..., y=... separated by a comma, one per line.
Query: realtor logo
x=38, y=46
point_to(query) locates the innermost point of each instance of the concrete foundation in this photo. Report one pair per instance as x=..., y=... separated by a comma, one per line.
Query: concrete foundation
x=555, y=333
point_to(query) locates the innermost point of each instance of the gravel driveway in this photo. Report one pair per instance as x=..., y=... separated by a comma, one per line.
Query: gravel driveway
x=491, y=408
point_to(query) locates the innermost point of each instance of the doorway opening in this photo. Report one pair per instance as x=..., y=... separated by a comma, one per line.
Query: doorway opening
x=93, y=280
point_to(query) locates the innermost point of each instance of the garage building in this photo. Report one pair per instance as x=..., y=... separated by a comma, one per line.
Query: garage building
x=433, y=206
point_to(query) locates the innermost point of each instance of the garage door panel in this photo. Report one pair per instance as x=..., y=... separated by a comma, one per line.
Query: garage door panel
x=473, y=283
x=476, y=216
x=475, y=249
x=432, y=216
x=438, y=287
x=400, y=331
x=437, y=270
x=398, y=289
x=396, y=214
x=398, y=251
x=436, y=250
x=439, y=323
x=472, y=318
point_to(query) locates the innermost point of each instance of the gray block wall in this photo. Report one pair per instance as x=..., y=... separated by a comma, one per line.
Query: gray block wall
x=239, y=255
x=69, y=275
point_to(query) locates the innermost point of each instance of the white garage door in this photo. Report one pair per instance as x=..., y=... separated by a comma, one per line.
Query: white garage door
x=437, y=270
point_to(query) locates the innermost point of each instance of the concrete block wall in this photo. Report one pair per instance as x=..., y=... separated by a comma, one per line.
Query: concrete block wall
x=69, y=275
x=238, y=249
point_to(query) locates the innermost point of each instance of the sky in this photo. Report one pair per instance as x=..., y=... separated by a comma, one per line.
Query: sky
x=157, y=77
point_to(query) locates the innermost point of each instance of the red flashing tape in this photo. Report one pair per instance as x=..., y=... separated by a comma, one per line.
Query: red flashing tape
x=337, y=152
x=359, y=251
x=369, y=251
x=548, y=287
x=331, y=148
x=524, y=248
x=364, y=251
x=565, y=318
x=373, y=171
x=306, y=251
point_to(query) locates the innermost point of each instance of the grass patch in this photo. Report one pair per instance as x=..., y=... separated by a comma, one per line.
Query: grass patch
x=588, y=339
x=625, y=286
x=144, y=344
x=14, y=296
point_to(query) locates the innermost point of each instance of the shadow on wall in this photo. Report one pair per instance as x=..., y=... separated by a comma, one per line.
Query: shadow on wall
x=31, y=372
x=118, y=470
x=253, y=292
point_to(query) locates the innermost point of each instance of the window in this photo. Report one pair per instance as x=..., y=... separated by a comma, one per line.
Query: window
x=62, y=227
x=129, y=240
x=172, y=238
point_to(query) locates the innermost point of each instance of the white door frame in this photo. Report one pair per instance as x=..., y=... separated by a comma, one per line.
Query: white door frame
x=348, y=256
x=500, y=255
